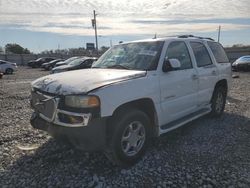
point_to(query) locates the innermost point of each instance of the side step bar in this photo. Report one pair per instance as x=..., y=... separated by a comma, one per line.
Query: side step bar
x=178, y=123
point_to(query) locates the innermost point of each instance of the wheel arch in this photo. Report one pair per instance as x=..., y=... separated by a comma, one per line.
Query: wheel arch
x=145, y=105
x=220, y=83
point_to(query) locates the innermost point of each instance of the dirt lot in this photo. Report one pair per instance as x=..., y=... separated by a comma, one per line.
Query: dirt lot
x=205, y=153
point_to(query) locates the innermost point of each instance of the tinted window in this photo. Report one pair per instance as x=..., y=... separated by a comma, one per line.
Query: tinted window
x=178, y=50
x=76, y=62
x=88, y=62
x=219, y=53
x=201, y=54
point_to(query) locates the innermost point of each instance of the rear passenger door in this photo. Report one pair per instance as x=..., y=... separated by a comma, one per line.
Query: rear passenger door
x=207, y=72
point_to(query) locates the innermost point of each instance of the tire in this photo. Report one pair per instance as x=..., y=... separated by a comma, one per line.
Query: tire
x=9, y=71
x=218, y=101
x=128, y=128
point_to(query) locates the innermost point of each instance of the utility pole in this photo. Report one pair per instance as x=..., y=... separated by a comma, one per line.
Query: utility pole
x=219, y=33
x=110, y=41
x=95, y=27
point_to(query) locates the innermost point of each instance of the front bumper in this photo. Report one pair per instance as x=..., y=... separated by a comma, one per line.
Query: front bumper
x=88, y=138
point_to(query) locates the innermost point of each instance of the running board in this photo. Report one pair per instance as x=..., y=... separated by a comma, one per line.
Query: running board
x=178, y=123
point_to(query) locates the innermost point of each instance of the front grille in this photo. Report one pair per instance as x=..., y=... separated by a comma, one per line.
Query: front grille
x=45, y=105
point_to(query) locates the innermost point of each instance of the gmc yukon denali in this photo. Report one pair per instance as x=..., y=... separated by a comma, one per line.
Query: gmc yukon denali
x=134, y=92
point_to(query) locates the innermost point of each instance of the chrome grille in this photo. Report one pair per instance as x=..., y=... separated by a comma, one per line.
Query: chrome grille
x=45, y=105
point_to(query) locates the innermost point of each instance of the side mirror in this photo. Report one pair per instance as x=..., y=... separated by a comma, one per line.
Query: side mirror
x=171, y=64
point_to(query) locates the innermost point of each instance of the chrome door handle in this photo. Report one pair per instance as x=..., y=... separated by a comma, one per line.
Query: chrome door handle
x=195, y=76
x=213, y=72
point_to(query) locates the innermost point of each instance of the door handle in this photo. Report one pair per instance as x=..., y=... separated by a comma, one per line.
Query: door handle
x=195, y=76
x=213, y=72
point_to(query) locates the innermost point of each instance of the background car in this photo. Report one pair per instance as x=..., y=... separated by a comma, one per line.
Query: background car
x=50, y=65
x=1, y=73
x=66, y=61
x=80, y=63
x=242, y=63
x=8, y=67
x=37, y=63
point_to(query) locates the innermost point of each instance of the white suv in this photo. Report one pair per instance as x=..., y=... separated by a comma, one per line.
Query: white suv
x=135, y=91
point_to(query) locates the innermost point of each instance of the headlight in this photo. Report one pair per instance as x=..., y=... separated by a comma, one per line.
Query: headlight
x=82, y=101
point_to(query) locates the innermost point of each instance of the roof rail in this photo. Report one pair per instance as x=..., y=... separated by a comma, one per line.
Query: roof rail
x=198, y=37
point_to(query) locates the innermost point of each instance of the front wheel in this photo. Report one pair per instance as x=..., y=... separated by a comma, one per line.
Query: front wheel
x=9, y=71
x=218, y=101
x=129, y=137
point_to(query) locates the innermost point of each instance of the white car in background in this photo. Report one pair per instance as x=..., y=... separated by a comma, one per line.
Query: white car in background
x=8, y=67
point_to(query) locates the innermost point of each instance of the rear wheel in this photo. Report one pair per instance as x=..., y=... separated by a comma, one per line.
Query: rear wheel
x=129, y=136
x=9, y=71
x=218, y=101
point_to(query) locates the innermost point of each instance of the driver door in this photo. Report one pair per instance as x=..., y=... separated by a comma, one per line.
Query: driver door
x=178, y=87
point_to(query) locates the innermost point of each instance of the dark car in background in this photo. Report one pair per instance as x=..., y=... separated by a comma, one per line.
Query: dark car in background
x=38, y=62
x=1, y=73
x=242, y=63
x=79, y=63
x=50, y=65
x=66, y=61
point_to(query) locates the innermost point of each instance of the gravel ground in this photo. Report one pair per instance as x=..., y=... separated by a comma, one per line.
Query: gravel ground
x=204, y=153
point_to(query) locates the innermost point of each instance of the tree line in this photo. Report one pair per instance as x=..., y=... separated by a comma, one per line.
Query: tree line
x=13, y=48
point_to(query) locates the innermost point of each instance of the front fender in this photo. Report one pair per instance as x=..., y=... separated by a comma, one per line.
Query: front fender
x=115, y=95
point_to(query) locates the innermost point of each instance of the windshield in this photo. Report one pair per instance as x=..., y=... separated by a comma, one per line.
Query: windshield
x=134, y=56
x=76, y=62
x=70, y=59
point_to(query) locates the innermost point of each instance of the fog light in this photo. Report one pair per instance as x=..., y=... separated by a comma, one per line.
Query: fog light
x=72, y=119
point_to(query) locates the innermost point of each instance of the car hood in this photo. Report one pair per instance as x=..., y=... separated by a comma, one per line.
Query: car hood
x=83, y=81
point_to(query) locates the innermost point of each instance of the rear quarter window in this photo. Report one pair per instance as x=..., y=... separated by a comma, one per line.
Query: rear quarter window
x=218, y=51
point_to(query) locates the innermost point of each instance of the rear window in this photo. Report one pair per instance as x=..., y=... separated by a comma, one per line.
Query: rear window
x=218, y=51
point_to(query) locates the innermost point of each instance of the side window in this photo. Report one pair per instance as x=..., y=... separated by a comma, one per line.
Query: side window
x=218, y=51
x=201, y=54
x=89, y=62
x=178, y=50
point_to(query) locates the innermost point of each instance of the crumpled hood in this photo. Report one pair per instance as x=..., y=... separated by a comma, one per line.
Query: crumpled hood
x=83, y=81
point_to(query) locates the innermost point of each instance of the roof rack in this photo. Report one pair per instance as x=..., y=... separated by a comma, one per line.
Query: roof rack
x=198, y=37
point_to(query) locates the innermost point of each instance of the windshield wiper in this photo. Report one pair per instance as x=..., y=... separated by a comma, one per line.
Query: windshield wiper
x=119, y=66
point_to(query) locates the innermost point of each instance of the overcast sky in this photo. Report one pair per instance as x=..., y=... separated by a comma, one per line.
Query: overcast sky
x=49, y=24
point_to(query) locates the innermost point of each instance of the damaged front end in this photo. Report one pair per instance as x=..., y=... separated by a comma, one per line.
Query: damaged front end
x=82, y=126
